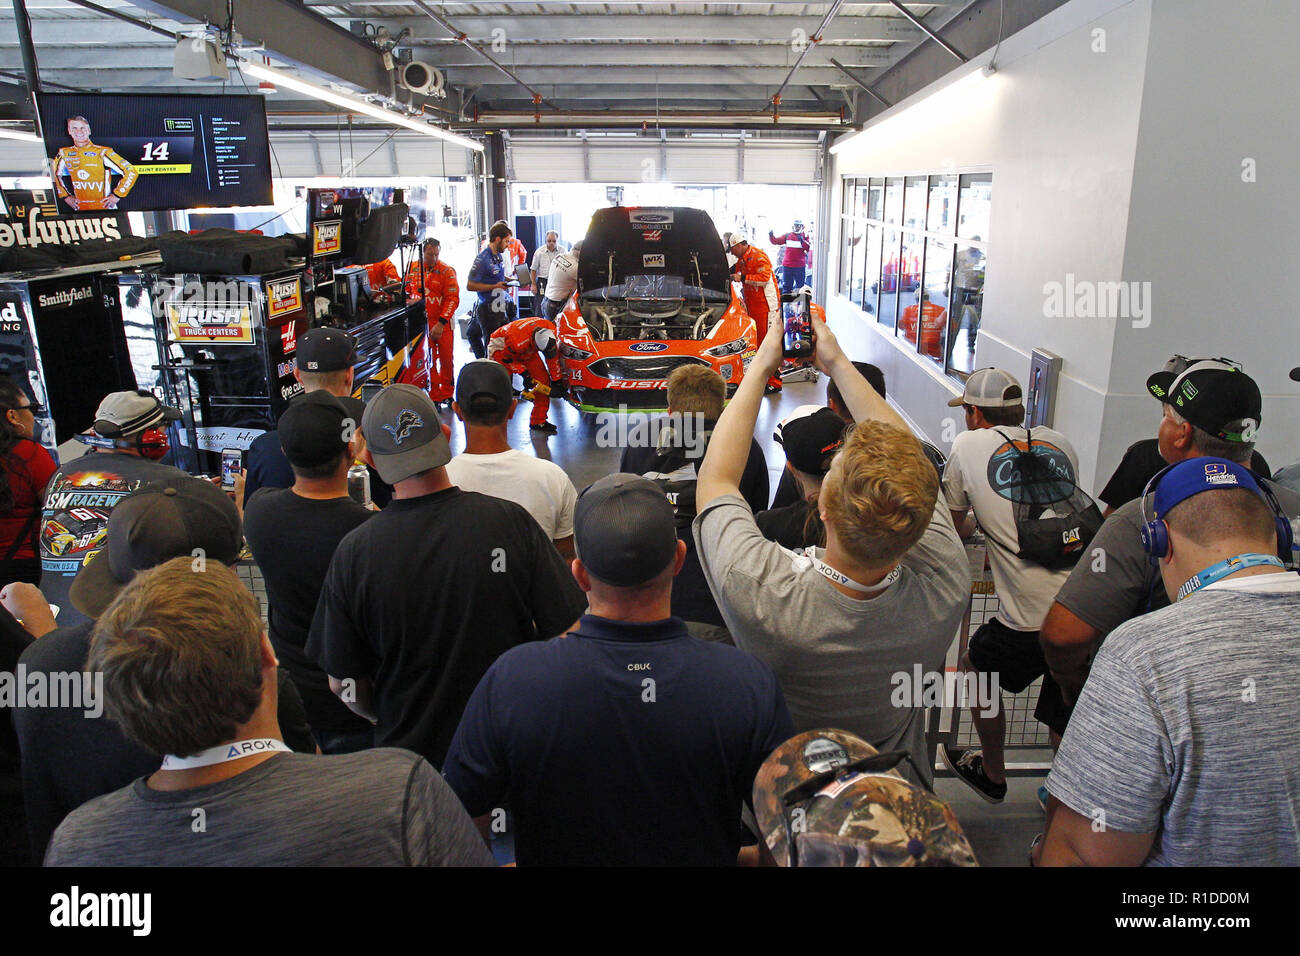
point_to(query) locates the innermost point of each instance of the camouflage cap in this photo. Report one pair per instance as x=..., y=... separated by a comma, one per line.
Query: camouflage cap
x=852, y=817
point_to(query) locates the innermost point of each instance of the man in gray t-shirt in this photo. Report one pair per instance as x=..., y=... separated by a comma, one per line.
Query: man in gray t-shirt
x=854, y=631
x=189, y=673
x=1210, y=408
x=1183, y=748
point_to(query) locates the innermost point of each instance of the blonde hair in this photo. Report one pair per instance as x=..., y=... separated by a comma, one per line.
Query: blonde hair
x=315, y=381
x=180, y=651
x=696, y=389
x=880, y=493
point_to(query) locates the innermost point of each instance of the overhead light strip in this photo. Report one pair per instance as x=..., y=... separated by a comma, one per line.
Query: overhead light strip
x=355, y=104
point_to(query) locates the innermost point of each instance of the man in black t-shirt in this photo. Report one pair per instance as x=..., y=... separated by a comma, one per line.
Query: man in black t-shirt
x=1141, y=463
x=293, y=533
x=324, y=362
x=73, y=754
x=421, y=599
x=696, y=395
x=810, y=437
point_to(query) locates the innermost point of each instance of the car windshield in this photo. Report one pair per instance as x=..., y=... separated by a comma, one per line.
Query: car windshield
x=655, y=287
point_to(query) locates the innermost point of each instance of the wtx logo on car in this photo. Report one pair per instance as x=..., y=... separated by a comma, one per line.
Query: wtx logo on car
x=648, y=346
x=654, y=261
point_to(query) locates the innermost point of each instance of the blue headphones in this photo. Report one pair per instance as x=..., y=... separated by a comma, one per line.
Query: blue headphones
x=1155, y=531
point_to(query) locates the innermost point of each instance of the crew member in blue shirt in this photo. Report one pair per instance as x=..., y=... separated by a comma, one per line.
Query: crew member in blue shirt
x=487, y=277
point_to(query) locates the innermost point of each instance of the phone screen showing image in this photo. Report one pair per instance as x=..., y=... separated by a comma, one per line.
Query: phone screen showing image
x=797, y=329
x=231, y=462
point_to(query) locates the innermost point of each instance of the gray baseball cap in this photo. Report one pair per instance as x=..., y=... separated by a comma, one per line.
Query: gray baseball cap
x=404, y=434
x=990, y=388
x=122, y=414
x=624, y=530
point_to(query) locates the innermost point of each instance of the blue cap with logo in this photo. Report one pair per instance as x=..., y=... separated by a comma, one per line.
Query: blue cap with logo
x=1195, y=475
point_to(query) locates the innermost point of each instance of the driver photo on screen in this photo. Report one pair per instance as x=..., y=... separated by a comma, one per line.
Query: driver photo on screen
x=89, y=169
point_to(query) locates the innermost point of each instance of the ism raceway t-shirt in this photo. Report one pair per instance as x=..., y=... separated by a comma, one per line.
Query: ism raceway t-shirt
x=74, y=522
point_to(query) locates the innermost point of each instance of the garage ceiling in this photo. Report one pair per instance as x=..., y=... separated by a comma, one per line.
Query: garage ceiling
x=506, y=64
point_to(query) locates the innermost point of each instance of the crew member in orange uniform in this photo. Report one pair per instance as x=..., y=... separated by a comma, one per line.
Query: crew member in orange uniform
x=762, y=301
x=529, y=345
x=380, y=274
x=441, y=299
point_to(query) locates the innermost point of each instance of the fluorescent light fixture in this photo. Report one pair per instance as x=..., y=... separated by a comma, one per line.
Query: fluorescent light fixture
x=355, y=104
x=19, y=135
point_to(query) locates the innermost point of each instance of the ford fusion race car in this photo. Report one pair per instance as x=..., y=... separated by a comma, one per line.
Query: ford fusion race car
x=654, y=294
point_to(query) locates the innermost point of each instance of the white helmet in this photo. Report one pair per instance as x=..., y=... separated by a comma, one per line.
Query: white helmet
x=544, y=339
x=732, y=236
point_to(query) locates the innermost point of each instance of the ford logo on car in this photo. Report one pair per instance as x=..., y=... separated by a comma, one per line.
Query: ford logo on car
x=648, y=346
x=651, y=217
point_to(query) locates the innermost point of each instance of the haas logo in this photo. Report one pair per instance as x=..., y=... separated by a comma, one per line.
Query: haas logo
x=407, y=422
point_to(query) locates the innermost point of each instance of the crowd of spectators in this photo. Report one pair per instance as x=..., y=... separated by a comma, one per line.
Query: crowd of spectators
x=487, y=665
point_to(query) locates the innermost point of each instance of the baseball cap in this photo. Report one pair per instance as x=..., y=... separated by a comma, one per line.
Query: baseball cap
x=488, y=382
x=1194, y=475
x=990, y=388
x=326, y=350
x=1295, y=374
x=163, y=520
x=624, y=530
x=1213, y=395
x=856, y=811
x=404, y=434
x=312, y=429
x=811, y=437
x=125, y=413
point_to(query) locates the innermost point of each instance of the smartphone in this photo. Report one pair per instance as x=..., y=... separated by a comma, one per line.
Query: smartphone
x=232, y=462
x=796, y=340
x=369, y=390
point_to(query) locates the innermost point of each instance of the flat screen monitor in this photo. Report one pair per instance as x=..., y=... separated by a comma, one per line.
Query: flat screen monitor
x=146, y=151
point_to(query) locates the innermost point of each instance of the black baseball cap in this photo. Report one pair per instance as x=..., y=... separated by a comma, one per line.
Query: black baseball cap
x=166, y=519
x=1295, y=374
x=314, y=430
x=624, y=530
x=1213, y=395
x=404, y=434
x=811, y=438
x=326, y=350
x=487, y=381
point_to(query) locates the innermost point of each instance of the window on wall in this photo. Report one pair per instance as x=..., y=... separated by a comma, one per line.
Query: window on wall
x=913, y=257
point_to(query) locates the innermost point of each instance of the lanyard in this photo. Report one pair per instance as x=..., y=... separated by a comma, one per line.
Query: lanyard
x=1221, y=570
x=826, y=571
x=224, y=752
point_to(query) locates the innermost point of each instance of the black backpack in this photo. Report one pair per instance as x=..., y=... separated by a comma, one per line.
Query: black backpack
x=1055, y=519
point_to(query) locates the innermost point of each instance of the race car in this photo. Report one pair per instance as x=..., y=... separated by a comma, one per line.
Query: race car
x=76, y=531
x=654, y=293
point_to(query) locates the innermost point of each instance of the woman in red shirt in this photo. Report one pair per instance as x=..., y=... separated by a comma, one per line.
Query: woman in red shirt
x=27, y=470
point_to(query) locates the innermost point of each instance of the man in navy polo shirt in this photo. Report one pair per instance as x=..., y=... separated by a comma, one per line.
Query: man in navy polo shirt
x=625, y=742
x=487, y=277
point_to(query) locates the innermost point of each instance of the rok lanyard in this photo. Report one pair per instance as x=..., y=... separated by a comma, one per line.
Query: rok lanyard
x=1221, y=570
x=225, y=752
x=826, y=571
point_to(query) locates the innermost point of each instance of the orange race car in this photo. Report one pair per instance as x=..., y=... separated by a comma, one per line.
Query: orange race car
x=654, y=293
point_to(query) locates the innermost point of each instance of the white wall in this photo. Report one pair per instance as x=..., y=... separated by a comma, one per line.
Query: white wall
x=1222, y=255
x=1058, y=126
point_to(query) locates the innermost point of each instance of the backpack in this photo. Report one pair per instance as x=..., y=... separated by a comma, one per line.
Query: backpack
x=1055, y=519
